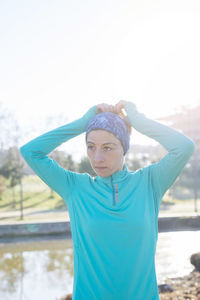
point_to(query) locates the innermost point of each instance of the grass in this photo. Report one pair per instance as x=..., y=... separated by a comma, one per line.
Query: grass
x=37, y=196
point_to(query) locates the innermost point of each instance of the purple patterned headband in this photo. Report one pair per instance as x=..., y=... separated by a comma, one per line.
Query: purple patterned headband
x=112, y=123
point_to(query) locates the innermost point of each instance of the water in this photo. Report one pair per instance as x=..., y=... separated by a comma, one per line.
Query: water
x=44, y=269
x=173, y=253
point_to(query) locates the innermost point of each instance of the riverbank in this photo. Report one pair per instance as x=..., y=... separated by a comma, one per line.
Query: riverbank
x=184, y=288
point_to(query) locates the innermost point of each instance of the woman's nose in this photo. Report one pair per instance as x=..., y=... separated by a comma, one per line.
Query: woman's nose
x=98, y=156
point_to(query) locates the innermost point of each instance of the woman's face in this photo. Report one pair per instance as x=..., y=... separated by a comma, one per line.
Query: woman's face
x=105, y=152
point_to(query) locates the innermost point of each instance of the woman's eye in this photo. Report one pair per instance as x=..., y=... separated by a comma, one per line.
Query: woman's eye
x=107, y=148
x=90, y=147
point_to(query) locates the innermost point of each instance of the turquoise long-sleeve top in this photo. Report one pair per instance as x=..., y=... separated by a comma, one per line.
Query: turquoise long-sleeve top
x=113, y=219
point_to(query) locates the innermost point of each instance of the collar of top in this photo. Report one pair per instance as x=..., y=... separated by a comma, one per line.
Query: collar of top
x=115, y=177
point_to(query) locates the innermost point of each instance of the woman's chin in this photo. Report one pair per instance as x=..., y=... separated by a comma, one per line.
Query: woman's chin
x=102, y=172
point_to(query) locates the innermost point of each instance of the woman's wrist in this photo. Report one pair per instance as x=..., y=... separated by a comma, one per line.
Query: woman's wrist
x=131, y=111
x=89, y=115
x=130, y=107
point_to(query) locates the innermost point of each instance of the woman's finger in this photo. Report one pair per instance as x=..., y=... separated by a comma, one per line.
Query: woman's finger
x=103, y=107
x=119, y=106
x=111, y=108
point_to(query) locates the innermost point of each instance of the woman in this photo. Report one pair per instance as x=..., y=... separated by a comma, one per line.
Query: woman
x=114, y=215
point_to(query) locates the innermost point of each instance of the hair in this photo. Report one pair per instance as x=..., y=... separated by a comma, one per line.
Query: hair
x=123, y=117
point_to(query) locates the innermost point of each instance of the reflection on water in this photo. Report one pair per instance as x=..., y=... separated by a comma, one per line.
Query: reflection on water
x=44, y=269
x=12, y=270
x=36, y=270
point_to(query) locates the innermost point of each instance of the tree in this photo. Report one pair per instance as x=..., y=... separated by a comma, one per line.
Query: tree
x=10, y=135
x=69, y=163
x=187, y=120
x=9, y=128
x=16, y=170
x=85, y=166
x=12, y=169
x=2, y=185
x=132, y=162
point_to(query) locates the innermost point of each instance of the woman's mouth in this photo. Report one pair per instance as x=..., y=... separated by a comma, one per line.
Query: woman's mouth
x=100, y=168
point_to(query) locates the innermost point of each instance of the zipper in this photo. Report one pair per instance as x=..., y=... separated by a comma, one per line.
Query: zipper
x=117, y=192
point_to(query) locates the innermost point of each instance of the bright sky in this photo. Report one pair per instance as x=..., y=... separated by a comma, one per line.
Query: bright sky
x=65, y=56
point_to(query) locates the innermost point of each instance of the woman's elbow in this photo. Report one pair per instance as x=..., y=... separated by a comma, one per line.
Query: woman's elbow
x=24, y=150
x=190, y=147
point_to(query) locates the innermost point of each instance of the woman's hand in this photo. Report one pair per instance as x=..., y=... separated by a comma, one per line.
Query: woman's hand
x=119, y=106
x=103, y=107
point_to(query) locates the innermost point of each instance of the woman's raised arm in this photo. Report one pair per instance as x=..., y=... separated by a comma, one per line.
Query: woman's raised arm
x=36, y=152
x=179, y=147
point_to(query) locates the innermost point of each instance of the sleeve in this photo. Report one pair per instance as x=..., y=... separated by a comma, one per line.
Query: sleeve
x=36, y=153
x=179, y=147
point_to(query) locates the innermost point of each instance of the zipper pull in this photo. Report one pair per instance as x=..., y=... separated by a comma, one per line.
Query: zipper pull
x=113, y=191
x=117, y=192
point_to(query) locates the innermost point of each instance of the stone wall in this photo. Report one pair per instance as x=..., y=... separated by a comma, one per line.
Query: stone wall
x=165, y=224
